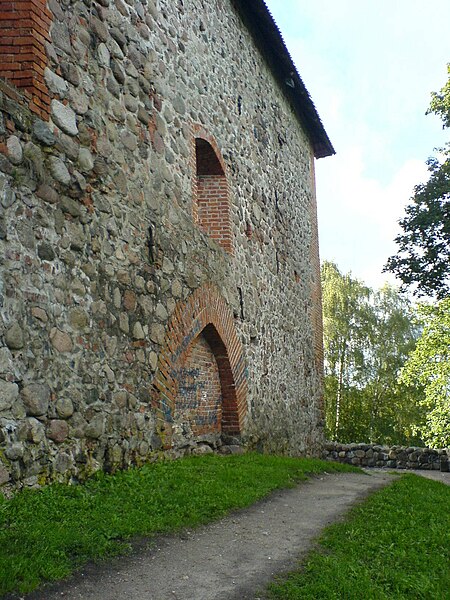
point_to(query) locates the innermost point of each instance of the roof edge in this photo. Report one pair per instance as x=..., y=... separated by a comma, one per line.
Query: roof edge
x=267, y=36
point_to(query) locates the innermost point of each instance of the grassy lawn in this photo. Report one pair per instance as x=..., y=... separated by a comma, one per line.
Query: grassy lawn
x=45, y=534
x=396, y=545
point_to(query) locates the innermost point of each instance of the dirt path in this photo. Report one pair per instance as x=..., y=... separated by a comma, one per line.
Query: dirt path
x=228, y=560
x=435, y=475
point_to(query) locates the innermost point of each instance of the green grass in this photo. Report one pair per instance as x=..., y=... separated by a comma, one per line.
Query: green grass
x=396, y=545
x=46, y=534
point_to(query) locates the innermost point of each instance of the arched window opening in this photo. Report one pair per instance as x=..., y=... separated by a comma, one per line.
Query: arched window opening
x=211, y=206
x=206, y=159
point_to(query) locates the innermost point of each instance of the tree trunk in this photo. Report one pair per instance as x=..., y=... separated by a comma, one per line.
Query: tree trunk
x=339, y=391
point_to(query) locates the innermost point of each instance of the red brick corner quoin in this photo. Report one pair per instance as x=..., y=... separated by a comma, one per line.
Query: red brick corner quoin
x=204, y=311
x=24, y=31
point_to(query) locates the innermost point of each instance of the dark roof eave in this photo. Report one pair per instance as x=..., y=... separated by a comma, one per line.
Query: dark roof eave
x=260, y=23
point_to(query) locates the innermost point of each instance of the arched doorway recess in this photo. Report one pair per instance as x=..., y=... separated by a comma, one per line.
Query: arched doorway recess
x=200, y=386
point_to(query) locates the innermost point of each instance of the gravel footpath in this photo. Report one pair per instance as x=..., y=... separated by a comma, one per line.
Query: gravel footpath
x=228, y=560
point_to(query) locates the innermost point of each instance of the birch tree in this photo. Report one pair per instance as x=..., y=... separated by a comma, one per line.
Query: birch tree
x=368, y=336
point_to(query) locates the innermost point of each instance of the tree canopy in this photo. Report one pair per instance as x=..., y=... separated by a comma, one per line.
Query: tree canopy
x=423, y=259
x=368, y=336
x=429, y=364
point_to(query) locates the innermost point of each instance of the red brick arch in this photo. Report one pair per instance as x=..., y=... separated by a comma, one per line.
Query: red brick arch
x=199, y=132
x=205, y=312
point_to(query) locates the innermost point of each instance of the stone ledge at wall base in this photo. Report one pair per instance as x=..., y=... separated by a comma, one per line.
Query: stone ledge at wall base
x=209, y=444
x=392, y=457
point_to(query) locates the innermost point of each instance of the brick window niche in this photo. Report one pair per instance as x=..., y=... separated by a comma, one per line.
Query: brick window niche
x=211, y=205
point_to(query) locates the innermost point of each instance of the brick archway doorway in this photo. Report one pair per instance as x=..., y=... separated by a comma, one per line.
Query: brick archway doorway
x=200, y=386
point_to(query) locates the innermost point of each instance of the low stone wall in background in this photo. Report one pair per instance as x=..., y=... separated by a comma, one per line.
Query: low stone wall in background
x=394, y=457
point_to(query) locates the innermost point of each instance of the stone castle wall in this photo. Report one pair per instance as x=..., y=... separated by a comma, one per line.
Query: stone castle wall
x=109, y=273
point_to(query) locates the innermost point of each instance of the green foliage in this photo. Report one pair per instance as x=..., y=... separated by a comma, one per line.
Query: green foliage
x=345, y=302
x=423, y=258
x=395, y=545
x=424, y=261
x=367, y=338
x=46, y=534
x=440, y=102
x=429, y=364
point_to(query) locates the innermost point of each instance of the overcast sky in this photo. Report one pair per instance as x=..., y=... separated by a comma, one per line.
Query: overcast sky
x=370, y=67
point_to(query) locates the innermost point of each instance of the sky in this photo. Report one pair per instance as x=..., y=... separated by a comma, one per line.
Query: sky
x=370, y=67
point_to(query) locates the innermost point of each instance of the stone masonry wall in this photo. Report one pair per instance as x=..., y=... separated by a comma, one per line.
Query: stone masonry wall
x=395, y=457
x=106, y=277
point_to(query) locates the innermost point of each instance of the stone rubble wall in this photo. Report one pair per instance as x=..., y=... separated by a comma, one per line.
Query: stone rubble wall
x=98, y=245
x=394, y=457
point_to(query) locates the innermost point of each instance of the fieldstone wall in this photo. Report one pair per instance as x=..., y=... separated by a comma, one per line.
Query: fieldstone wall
x=103, y=267
x=395, y=457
